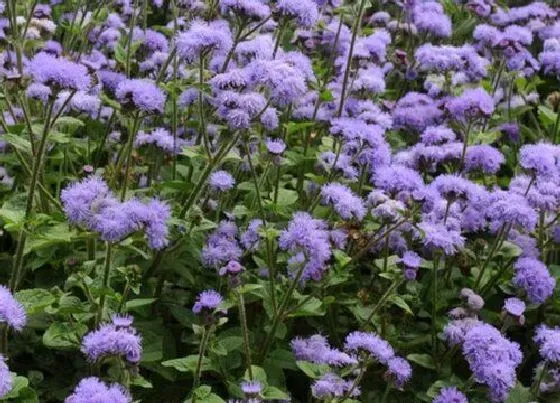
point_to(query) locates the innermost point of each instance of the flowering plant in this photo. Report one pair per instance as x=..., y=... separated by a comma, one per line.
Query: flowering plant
x=279, y=200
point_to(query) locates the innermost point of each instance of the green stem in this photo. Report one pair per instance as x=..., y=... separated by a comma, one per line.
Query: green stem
x=245, y=331
x=493, y=249
x=129, y=38
x=355, y=28
x=280, y=314
x=536, y=387
x=362, y=371
x=383, y=299
x=202, y=124
x=205, y=174
x=202, y=349
x=37, y=163
x=465, y=144
x=270, y=261
x=105, y=284
x=434, y=306
x=128, y=155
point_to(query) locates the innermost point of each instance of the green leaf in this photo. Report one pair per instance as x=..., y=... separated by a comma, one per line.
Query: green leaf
x=141, y=382
x=204, y=394
x=424, y=360
x=18, y=142
x=274, y=393
x=35, y=300
x=312, y=307
x=187, y=364
x=313, y=371
x=547, y=116
x=138, y=302
x=520, y=394
x=258, y=374
x=64, y=335
x=287, y=197
x=19, y=383
x=401, y=303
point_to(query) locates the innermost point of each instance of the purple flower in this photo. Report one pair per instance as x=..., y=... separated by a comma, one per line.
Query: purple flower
x=207, y=300
x=303, y=11
x=446, y=58
x=410, y=259
x=436, y=236
x=330, y=386
x=161, y=138
x=417, y=111
x=472, y=103
x=251, y=388
x=430, y=18
x=110, y=340
x=221, y=246
x=453, y=187
x=95, y=390
x=58, y=73
x=434, y=135
x=6, y=380
x=548, y=341
x=110, y=79
x=308, y=241
x=371, y=343
x=275, y=146
x=397, y=178
x=492, y=359
x=77, y=198
x=12, y=312
x=344, y=202
x=250, y=238
x=399, y=370
x=143, y=95
x=38, y=91
x=484, y=158
x=450, y=395
x=250, y=8
x=233, y=268
x=221, y=181
x=532, y=275
x=507, y=208
x=203, y=37
x=539, y=158
x=316, y=349
x=456, y=330
x=514, y=306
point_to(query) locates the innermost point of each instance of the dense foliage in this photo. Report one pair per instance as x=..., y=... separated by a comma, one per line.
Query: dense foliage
x=279, y=200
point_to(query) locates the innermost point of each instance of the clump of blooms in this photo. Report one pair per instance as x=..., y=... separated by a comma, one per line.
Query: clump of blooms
x=116, y=338
x=95, y=390
x=6, y=381
x=12, y=312
x=450, y=395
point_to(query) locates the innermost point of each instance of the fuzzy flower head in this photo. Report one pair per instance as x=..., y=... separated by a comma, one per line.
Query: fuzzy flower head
x=514, y=306
x=113, y=340
x=95, y=390
x=344, y=202
x=6, y=380
x=316, y=349
x=251, y=388
x=331, y=386
x=548, y=341
x=142, y=95
x=471, y=104
x=308, y=241
x=58, y=73
x=436, y=236
x=399, y=371
x=532, y=276
x=207, y=301
x=370, y=343
x=304, y=12
x=12, y=312
x=203, y=37
x=484, y=158
x=493, y=359
x=540, y=159
x=450, y=395
x=221, y=181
